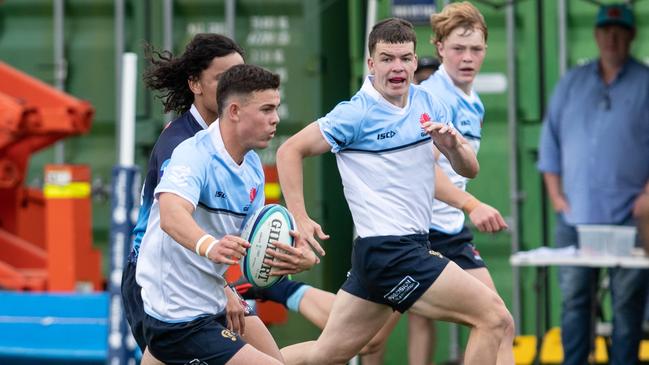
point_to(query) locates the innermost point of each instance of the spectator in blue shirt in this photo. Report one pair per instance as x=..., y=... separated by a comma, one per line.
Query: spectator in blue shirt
x=594, y=156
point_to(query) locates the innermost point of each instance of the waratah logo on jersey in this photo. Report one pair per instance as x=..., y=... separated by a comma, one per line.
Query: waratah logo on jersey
x=253, y=194
x=424, y=118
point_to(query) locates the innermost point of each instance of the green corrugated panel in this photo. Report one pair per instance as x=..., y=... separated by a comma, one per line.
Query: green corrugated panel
x=26, y=43
x=321, y=64
x=303, y=40
x=300, y=40
x=581, y=47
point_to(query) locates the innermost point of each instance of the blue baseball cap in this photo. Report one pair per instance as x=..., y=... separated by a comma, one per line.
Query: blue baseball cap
x=615, y=14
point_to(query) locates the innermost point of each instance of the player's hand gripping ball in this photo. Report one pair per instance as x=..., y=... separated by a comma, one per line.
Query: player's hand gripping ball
x=271, y=223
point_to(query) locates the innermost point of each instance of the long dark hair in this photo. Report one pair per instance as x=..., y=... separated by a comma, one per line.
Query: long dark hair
x=168, y=75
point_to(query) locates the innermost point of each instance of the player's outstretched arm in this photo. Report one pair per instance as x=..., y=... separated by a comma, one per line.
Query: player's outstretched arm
x=485, y=217
x=455, y=147
x=447, y=192
x=307, y=142
x=291, y=260
x=176, y=220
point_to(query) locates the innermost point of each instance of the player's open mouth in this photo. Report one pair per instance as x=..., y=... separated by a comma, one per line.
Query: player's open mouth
x=397, y=80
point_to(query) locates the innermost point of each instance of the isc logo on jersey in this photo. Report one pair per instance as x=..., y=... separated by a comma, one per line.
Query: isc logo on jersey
x=271, y=223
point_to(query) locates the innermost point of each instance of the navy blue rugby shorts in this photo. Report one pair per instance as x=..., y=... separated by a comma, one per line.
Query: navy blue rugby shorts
x=457, y=248
x=205, y=340
x=393, y=270
x=134, y=307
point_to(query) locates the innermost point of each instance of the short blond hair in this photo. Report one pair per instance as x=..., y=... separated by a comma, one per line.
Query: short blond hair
x=455, y=15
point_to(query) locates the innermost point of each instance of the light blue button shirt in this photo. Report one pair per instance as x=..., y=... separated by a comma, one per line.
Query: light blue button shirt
x=596, y=137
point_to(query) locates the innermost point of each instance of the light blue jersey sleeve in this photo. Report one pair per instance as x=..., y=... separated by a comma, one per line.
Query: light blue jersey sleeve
x=340, y=126
x=186, y=173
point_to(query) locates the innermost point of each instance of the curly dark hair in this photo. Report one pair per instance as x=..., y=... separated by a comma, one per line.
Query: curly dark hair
x=168, y=75
x=244, y=79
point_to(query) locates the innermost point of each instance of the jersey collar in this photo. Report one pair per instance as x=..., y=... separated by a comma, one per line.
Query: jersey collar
x=369, y=88
x=197, y=116
x=217, y=141
x=447, y=79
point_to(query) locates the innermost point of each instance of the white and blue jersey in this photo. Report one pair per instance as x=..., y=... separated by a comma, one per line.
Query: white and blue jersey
x=386, y=161
x=468, y=114
x=178, y=285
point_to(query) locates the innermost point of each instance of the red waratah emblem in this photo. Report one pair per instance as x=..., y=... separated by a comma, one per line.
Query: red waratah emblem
x=253, y=194
x=424, y=118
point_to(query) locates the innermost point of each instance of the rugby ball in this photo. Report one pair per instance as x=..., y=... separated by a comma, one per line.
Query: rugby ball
x=271, y=223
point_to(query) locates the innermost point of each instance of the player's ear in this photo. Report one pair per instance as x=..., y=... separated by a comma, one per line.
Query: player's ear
x=194, y=85
x=233, y=109
x=440, y=48
x=370, y=65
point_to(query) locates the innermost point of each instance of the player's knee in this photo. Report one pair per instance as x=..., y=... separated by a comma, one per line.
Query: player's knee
x=373, y=346
x=340, y=358
x=334, y=357
x=505, y=324
x=508, y=326
x=498, y=319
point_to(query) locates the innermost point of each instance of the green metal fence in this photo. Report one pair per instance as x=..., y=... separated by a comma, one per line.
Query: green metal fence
x=317, y=46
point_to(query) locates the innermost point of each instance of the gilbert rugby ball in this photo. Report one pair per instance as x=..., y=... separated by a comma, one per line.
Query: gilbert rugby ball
x=268, y=224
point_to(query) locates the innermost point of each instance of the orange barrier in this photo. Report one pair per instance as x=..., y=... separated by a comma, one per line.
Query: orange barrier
x=72, y=261
x=36, y=230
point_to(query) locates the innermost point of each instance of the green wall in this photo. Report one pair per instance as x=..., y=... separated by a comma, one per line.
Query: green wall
x=318, y=48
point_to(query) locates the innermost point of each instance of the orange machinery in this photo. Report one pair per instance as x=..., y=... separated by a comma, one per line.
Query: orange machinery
x=45, y=235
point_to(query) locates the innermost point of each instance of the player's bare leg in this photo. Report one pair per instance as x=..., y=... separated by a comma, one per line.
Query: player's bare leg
x=316, y=305
x=250, y=355
x=374, y=357
x=506, y=350
x=352, y=323
x=372, y=353
x=148, y=359
x=421, y=339
x=459, y=297
x=259, y=337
